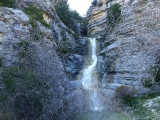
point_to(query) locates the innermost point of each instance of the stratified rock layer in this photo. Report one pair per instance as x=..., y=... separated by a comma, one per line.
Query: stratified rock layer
x=97, y=16
x=130, y=52
x=132, y=49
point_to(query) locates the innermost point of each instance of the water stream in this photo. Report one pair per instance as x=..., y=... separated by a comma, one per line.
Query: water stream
x=98, y=99
x=89, y=80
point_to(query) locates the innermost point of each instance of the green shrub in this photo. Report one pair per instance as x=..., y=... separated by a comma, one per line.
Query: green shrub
x=94, y=3
x=102, y=54
x=36, y=14
x=124, y=92
x=24, y=44
x=7, y=3
x=33, y=23
x=64, y=13
x=24, y=49
x=65, y=47
x=45, y=23
x=71, y=18
x=138, y=109
x=113, y=14
x=9, y=83
x=24, y=93
x=157, y=78
x=106, y=44
x=100, y=4
x=131, y=101
x=147, y=82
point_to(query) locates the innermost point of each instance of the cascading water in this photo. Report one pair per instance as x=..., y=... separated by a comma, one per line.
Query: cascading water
x=98, y=98
x=89, y=80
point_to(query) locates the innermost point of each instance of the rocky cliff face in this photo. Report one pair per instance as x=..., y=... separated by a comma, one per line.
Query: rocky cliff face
x=21, y=44
x=97, y=16
x=130, y=52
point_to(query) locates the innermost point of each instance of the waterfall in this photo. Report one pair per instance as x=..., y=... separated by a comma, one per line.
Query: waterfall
x=100, y=100
x=89, y=80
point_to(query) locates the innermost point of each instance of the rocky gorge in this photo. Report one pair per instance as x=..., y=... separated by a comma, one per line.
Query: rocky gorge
x=42, y=61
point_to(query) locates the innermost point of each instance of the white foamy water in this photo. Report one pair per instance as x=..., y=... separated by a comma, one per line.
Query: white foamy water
x=89, y=80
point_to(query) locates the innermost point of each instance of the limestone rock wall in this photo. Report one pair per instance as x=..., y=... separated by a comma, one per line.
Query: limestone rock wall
x=97, y=16
x=131, y=50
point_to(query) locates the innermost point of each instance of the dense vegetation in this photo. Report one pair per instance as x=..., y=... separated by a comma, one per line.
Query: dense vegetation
x=24, y=95
x=36, y=14
x=113, y=14
x=145, y=107
x=71, y=18
x=7, y=3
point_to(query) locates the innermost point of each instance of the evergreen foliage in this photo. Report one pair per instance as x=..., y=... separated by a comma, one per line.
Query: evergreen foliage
x=157, y=78
x=64, y=13
x=24, y=93
x=113, y=14
x=36, y=14
x=70, y=18
x=7, y=3
x=100, y=4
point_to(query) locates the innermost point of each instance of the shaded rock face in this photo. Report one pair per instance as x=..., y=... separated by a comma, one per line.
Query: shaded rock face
x=131, y=51
x=43, y=58
x=74, y=62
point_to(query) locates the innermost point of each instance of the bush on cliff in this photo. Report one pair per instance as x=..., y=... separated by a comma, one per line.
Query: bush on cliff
x=36, y=14
x=113, y=14
x=157, y=78
x=23, y=96
x=147, y=82
x=64, y=13
x=7, y=3
x=124, y=92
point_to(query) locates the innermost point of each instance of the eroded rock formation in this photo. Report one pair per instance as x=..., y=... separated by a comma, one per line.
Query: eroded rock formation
x=130, y=52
